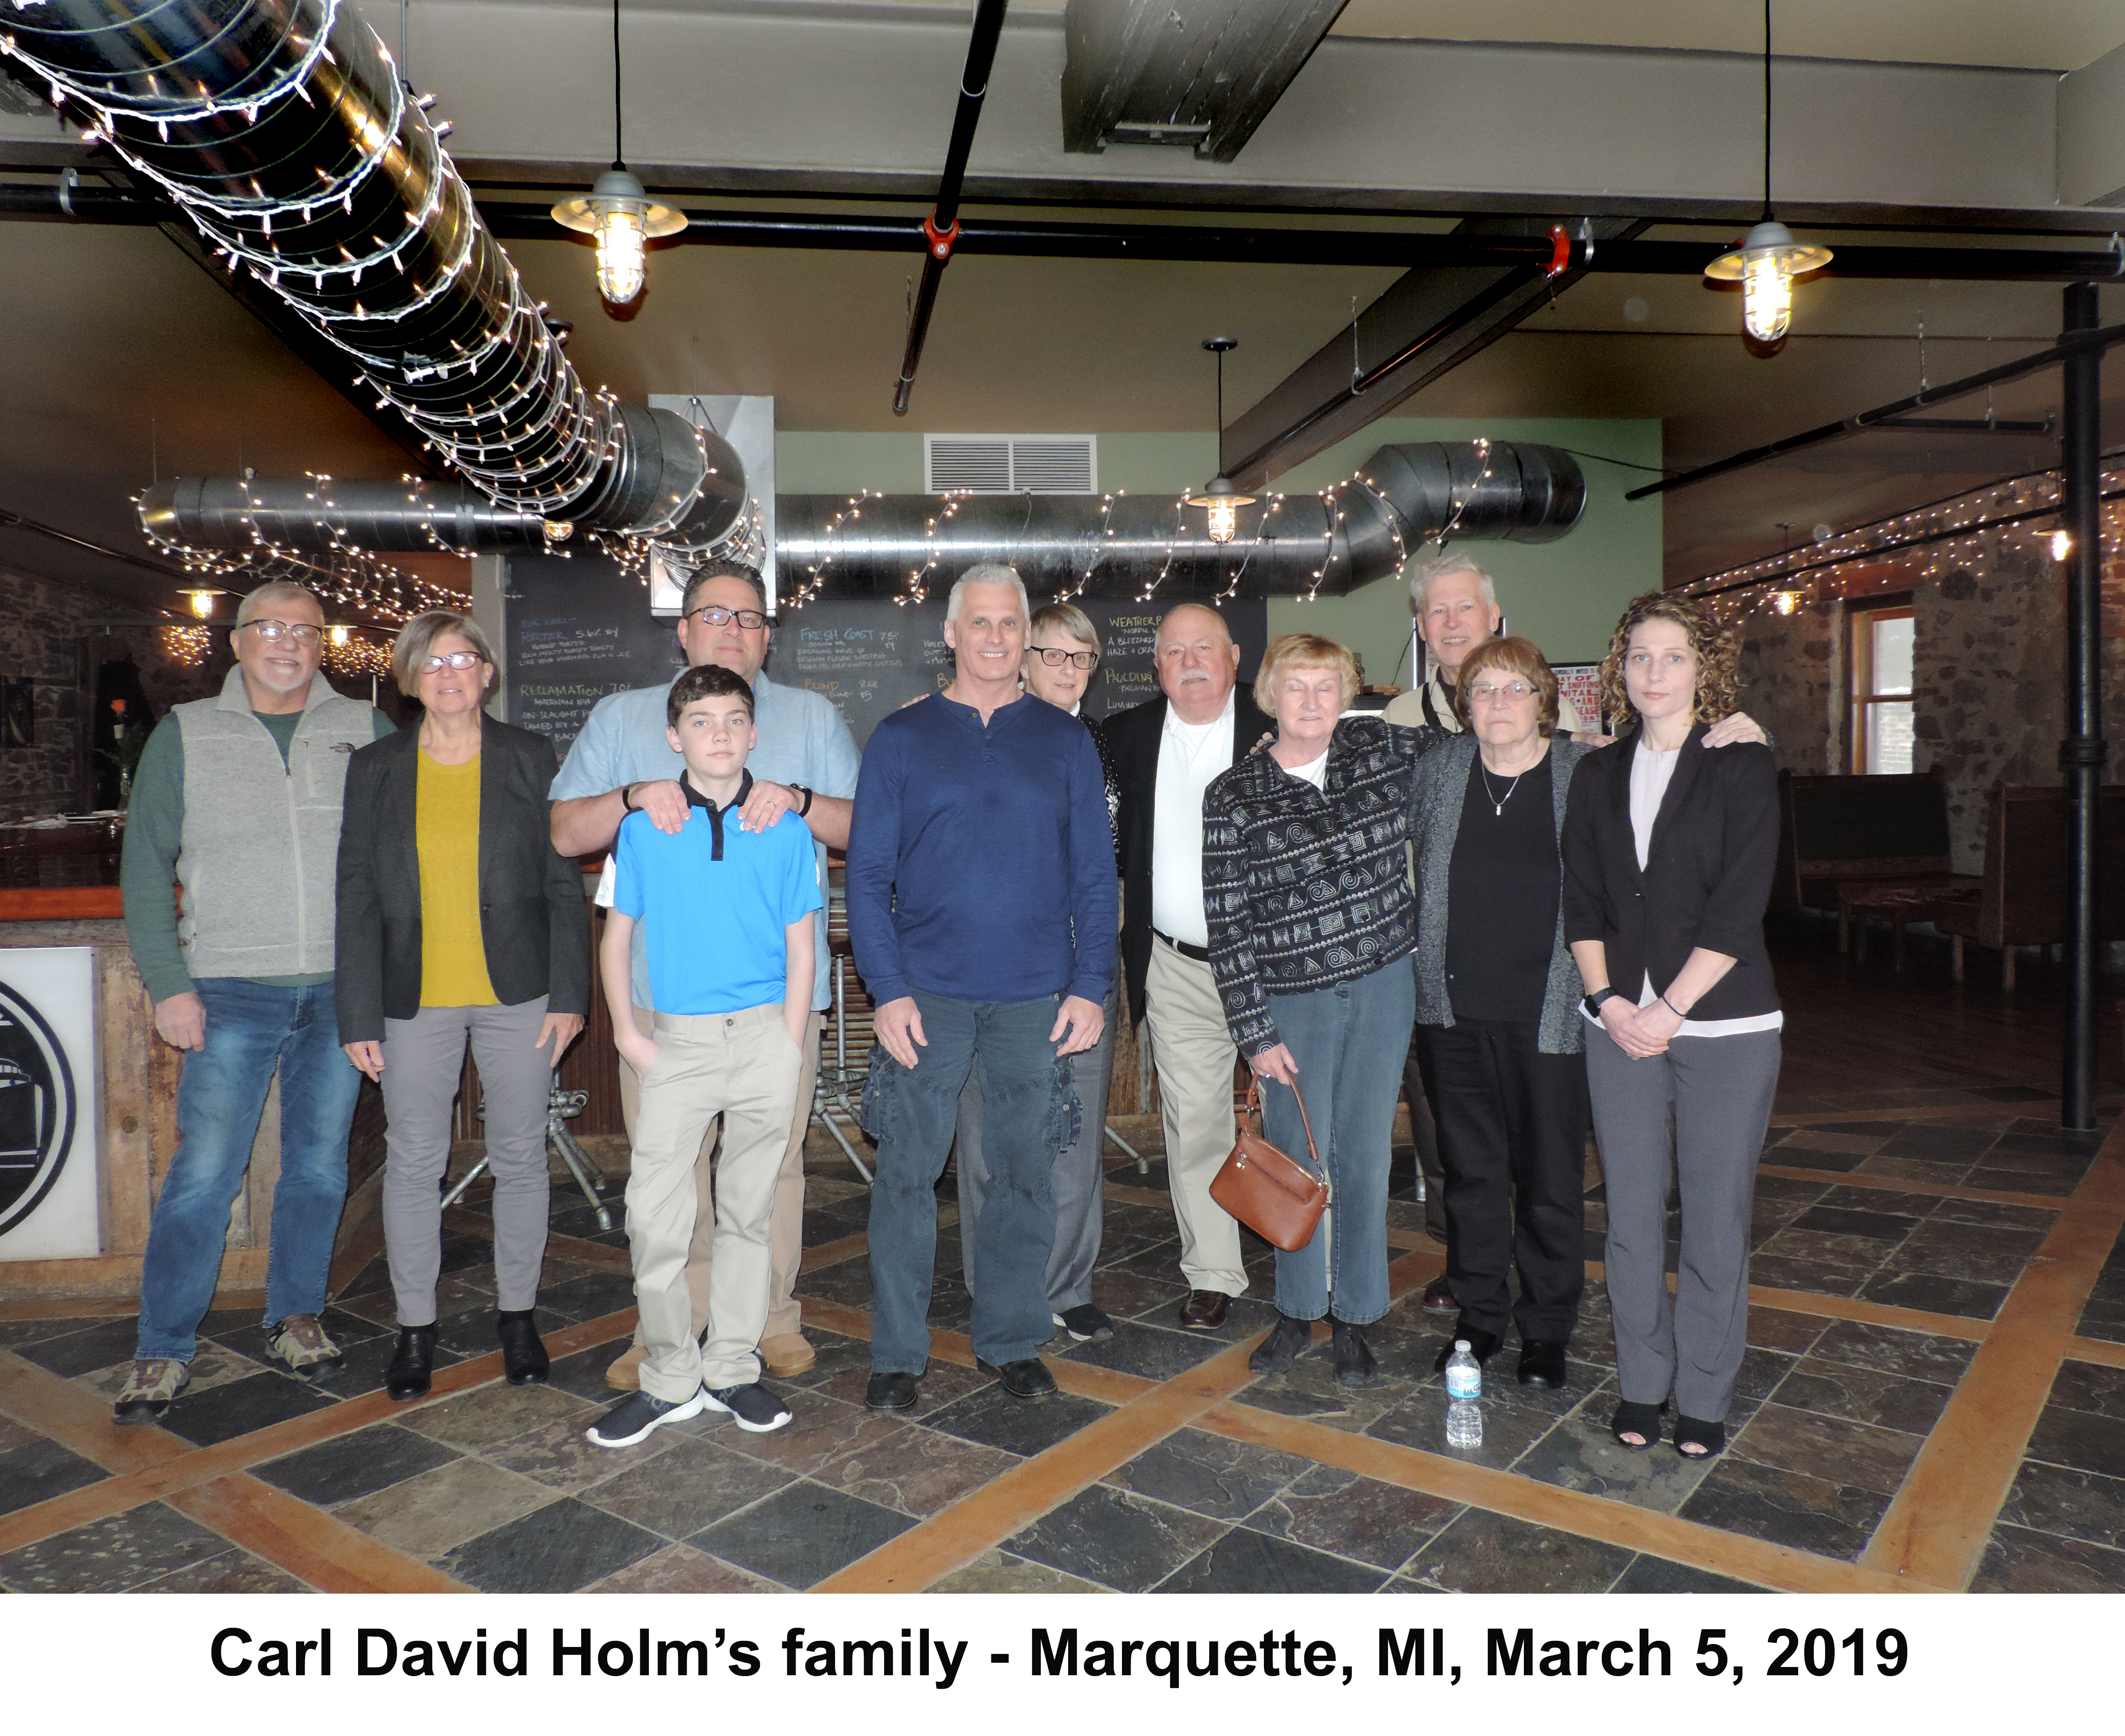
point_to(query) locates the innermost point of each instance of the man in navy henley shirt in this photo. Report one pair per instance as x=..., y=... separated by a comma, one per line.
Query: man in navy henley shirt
x=982, y=909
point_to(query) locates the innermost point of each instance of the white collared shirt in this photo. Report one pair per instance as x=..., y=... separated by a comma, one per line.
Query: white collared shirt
x=1190, y=755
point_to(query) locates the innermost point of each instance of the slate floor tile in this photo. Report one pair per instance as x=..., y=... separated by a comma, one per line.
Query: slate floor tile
x=488, y=1416
x=225, y=1575
x=1420, y=1421
x=1781, y=1328
x=1651, y=1573
x=1208, y=1475
x=1864, y=1456
x=1489, y=1552
x=1353, y=1516
x=2017, y=1559
x=2081, y=1439
x=994, y=1418
x=85, y=1350
x=1918, y=1356
x=242, y=1407
x=429, y=1515
x=916, y=1470
x=1116, y=1540
x=1131, y=1296
x=561, y=1547
x=1822, y=1248
x=582, y=1372
x=559, y=1454
x=120, y=1553
x=2068, y=1503
x=14, y=1334
x=690, y=1484
x=1865, y=1395
x=820, y=1429
x=354, y=1465
x=801, y=1534
x=213, y=1365
x=37, y=1470
x=1774, y=1271
x=1802, y=1512
x=1997, y=1215
x=1929, y=1293
x=945, y=1383
x=1252, y=1561
x=1156, y=1353
x=1583, y=1454
x=998, y=1570
x=2091, y=1387
x=1981, y=1252
x=588, y=1298
x=679, y=1567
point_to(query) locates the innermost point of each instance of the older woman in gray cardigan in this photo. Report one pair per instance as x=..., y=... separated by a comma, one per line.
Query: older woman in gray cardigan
x=1498, y=1033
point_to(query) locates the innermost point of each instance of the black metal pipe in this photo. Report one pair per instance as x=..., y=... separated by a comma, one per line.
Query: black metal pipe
x=941, y=230
x=2090, y=343
x=2082, y=753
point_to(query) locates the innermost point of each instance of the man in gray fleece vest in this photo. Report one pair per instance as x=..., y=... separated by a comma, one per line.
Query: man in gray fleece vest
x=237, y=799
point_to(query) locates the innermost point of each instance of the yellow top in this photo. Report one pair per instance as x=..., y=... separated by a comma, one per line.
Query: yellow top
x=446, y=839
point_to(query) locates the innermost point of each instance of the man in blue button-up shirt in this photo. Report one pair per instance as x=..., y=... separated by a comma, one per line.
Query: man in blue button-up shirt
x=982, y=909
x=805, y=763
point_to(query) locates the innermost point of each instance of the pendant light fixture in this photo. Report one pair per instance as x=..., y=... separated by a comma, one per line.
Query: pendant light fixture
x=619, y=211
x=1219, y=500
x=1768, y=258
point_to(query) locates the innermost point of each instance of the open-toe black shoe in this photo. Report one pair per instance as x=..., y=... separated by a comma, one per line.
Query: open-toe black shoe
x=1695, y=1438
x=1642, y=1420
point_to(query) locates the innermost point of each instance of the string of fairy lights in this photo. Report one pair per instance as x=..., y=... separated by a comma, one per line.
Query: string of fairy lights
x=1970, y=532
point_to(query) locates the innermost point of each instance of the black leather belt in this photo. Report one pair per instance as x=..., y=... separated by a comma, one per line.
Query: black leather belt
x=1201, y=955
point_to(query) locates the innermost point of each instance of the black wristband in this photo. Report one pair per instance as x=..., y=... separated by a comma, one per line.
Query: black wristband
x=627, y=798
x=1592, y=1002
x=805, y=791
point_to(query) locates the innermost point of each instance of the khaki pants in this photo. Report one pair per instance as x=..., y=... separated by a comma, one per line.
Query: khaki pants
x=1194, y=1052
x=743, y=1068
x=786, y=1227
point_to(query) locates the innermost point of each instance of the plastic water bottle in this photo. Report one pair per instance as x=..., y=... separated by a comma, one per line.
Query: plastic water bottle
x=1464, y=1388
x=1464, y=1423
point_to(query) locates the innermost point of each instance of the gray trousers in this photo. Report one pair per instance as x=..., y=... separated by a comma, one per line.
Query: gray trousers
x=1079, y=1179
x=1696, y=1113
x=423, y=1058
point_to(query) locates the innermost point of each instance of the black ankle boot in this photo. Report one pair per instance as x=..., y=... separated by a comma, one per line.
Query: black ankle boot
x=412, y=1360
x=524, y=1359
x=1282, y=1347
x=1354, y=1366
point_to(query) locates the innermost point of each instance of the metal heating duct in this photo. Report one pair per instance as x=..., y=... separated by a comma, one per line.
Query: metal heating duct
x=282, y=129
x=1114, y=545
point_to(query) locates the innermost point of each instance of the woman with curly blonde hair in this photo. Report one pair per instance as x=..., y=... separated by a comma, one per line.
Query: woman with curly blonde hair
x=1668, y=856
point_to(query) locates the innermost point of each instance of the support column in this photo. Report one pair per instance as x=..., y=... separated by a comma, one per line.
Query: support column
x=2082, y=753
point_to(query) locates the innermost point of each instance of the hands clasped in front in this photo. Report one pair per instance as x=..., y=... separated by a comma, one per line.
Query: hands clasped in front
x=1640, y=1032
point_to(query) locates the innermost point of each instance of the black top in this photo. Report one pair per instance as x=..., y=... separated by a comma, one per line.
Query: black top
x=1501, y=896
x=1131, y=740
x=533, y=924
x=1706, y=881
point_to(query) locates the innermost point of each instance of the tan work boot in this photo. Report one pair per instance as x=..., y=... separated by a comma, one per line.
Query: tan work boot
x=625, y=1374
x=785, y=1354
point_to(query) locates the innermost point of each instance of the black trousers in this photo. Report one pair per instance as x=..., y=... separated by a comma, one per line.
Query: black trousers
x=1512, y=1136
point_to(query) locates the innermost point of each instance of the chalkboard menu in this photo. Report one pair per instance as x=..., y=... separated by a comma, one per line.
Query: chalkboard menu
x=579, y=629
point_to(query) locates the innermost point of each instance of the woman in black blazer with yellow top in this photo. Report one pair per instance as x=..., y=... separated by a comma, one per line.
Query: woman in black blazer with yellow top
x=457, y=922
x=1668, y=853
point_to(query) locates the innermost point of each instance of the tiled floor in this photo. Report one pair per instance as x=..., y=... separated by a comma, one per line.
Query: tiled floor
x=1891, y=1246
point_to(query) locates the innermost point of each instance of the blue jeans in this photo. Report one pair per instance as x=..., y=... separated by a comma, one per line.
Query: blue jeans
x=250, y=1028
x=1030, y=1115
x=1349, y=1043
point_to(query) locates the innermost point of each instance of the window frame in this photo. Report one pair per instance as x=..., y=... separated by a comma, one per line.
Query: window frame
x=1860, y=621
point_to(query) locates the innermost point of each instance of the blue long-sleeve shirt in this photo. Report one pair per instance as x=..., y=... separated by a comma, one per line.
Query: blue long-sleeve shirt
x=981, y=862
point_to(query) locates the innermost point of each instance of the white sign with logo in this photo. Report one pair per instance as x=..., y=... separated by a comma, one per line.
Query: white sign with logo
x=48, y=1104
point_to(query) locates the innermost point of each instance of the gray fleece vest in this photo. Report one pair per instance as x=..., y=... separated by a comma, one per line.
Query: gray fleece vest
x=260, y=858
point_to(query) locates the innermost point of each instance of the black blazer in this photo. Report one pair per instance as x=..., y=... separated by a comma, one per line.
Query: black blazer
x=1706, y=878
x=532, y=920
x=1133, y=740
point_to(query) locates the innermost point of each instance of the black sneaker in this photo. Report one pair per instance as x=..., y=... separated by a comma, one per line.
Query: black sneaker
x=1288, y=1340
x=1084, y=1323
x=754, y=1408
x=638, y=1415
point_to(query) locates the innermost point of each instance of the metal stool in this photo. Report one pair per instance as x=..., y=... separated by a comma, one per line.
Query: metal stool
x=562, y=1107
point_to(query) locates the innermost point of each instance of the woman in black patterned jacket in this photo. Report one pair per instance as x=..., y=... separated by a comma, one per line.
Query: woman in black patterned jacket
x=1306, y=885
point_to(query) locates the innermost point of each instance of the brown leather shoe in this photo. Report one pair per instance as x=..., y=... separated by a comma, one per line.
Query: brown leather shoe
x=625, y=1374
x=1438, y=1299
x=787, y=1354
x=1205, y=1309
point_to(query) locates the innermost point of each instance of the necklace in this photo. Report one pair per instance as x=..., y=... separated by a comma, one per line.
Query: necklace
x=1496, y=801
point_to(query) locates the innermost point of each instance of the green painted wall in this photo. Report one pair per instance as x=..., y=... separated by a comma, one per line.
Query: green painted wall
x=1565, y=595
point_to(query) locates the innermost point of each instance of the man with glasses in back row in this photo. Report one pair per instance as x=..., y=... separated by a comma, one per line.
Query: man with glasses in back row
x=238, y=798
x=805, y=764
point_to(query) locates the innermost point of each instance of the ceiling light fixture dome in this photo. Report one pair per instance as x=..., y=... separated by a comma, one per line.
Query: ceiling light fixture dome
x=619, y=211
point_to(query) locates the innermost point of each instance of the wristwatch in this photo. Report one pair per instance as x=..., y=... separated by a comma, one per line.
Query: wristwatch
x=805, y=792
x=627, y=798
x=1592, y=1002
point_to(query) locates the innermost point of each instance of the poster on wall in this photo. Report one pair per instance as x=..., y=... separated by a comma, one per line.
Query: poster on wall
x=48, y=1104
x=1581, y=682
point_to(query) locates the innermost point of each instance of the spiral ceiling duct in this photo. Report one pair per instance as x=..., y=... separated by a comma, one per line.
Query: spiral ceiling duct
x=282, y=129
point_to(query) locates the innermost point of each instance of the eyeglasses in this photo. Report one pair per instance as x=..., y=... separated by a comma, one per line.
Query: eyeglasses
x=1055, y=657
x=452, y=660
x=301, y=631
x=715, y=615
x=1513, y=690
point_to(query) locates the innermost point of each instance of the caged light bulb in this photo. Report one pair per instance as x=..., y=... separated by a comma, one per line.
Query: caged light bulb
x=623, y=255
x=1223, y=520
x=1767, y=299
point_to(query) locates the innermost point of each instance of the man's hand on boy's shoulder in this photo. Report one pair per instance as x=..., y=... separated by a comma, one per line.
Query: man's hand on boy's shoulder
x=767, y=803
x=663, y=800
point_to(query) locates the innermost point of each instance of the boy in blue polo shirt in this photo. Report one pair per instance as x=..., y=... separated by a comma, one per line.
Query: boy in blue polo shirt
x=726, y=919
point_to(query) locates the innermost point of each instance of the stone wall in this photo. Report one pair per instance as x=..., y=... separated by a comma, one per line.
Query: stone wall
x=1989, y=683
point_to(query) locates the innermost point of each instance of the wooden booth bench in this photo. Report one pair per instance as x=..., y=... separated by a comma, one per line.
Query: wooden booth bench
x=1875, y=845
x=2021, y=900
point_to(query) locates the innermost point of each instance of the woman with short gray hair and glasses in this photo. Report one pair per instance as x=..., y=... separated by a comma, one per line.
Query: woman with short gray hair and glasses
x=458, y=923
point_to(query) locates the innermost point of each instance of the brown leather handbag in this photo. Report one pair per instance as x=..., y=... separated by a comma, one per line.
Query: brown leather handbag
x=1278, y=1198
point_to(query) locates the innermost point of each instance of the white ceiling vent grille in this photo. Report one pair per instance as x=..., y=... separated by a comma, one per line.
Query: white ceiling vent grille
x=1011, y=463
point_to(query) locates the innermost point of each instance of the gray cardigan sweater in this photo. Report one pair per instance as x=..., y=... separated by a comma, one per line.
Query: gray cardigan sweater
x=1441, y=787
